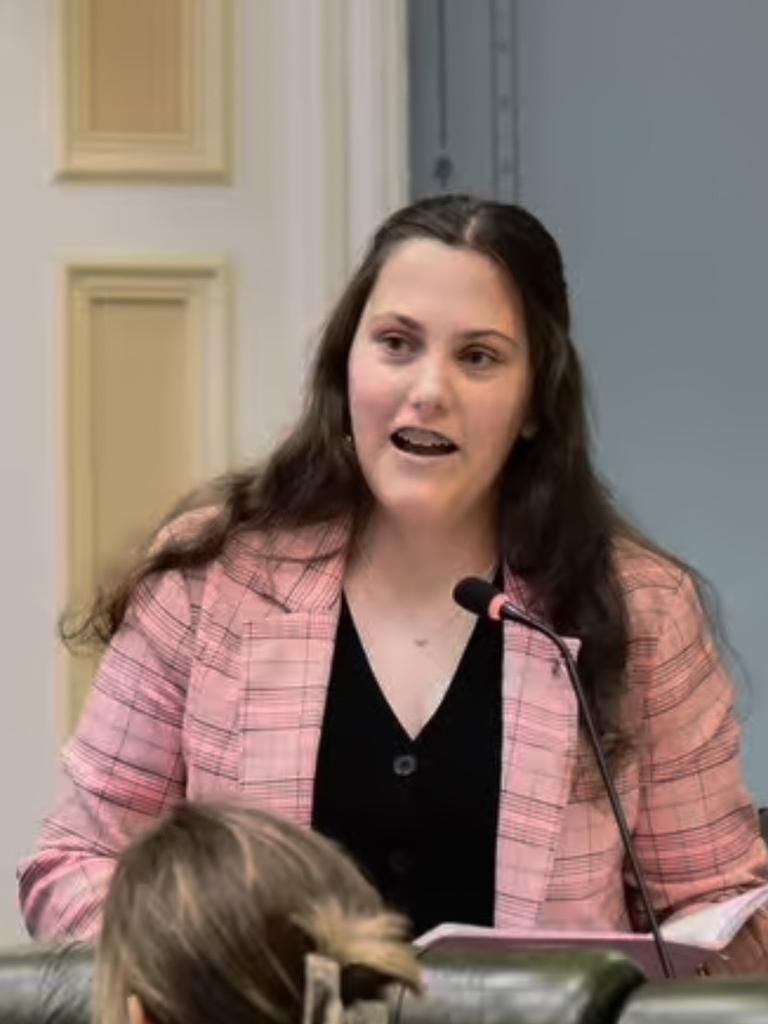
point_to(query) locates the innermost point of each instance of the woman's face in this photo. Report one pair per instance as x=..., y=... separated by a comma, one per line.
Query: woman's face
x=439, y=382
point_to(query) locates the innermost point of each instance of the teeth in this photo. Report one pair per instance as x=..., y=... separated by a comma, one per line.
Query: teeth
x=424, y=437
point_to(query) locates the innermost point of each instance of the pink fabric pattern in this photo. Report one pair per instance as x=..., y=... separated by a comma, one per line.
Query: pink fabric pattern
x=215, y=686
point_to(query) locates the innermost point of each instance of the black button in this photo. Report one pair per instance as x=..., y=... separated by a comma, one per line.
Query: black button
x=399, y=862
x=405, y=765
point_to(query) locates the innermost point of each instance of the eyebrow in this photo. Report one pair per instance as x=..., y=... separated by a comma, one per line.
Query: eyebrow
x=474, y=335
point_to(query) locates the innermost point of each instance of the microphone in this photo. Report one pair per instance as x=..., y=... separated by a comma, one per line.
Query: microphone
x=482, y=598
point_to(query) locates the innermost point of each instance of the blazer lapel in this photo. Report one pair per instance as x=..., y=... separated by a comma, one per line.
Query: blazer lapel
x=287, y=664
x=287, y=654
x=539, y=733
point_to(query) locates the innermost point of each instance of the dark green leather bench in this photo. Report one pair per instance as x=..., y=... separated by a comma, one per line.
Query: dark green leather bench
x=46, y=985
x=52, y=985
x=518, y=987
x=726, y=1000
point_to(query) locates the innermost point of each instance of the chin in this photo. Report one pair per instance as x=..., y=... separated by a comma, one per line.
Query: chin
x=418, y=511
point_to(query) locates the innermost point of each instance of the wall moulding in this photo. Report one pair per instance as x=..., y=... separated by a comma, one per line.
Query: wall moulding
x=145, y=413
x=143, y=90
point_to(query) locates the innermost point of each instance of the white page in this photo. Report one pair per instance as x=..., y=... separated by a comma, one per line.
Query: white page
x=715, y=925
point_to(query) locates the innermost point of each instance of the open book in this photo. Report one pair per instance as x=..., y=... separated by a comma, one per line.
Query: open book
x=690, y=939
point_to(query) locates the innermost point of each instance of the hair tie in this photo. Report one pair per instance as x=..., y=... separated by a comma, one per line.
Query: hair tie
x=322, y=997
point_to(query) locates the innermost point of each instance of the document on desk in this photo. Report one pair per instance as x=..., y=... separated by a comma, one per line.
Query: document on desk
x=690, y=939
x=716, y=924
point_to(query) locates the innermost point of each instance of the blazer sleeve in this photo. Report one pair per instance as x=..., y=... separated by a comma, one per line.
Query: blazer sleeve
x=697, y=832
x=123, y=767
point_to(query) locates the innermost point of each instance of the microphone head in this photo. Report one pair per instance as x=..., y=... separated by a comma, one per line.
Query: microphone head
x=475, y=594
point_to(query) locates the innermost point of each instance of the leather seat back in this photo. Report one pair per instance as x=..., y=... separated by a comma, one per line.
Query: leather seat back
x=46, y=985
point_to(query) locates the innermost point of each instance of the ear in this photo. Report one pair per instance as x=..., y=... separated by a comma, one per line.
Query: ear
x=136, y=1013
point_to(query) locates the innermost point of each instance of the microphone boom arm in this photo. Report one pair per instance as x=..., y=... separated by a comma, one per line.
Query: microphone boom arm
x=481, y=597
x=509, y=611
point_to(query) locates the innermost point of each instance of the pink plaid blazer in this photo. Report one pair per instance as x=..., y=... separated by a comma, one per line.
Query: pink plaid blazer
x=215, y=687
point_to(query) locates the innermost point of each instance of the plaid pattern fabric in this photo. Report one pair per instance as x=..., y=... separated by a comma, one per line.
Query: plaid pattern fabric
x=215, y=687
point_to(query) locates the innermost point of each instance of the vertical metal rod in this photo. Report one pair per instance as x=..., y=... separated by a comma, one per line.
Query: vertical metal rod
x=442, y=82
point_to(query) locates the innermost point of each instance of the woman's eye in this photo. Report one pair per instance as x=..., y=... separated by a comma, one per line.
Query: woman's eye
x=397, y=344
x=479, y=358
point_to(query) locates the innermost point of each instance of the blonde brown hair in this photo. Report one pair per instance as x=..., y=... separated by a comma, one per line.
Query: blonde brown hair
x=210, y=914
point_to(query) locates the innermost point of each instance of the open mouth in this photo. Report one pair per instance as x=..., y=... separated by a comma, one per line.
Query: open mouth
x=416, y=441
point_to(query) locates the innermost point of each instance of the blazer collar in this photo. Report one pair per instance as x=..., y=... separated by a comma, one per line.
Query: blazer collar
x=299, y=570
x=519, y=593
x=303, y=570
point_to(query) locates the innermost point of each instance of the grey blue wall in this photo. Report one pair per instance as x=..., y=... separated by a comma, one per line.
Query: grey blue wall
x=638, y=131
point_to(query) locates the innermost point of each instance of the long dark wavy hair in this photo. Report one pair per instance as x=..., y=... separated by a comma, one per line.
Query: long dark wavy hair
x=558, y=524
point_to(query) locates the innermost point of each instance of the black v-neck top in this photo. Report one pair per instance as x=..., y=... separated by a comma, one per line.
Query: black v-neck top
x=418, y=816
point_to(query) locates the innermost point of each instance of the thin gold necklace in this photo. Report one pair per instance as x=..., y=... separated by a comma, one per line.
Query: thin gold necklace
x=424, y=641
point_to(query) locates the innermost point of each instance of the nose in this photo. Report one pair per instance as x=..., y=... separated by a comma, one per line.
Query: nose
x=431, y=388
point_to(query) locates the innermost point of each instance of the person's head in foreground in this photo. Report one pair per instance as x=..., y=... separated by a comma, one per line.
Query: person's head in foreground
x=224, y=914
